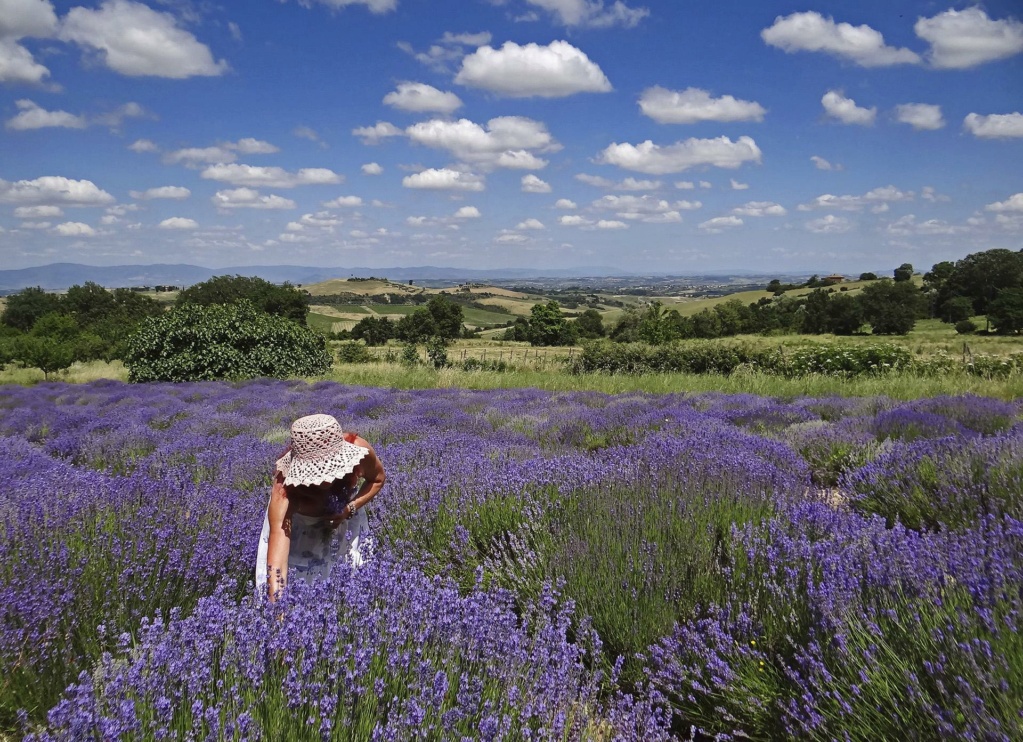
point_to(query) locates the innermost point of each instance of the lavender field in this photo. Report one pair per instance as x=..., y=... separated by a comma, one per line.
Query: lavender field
x=570, y=566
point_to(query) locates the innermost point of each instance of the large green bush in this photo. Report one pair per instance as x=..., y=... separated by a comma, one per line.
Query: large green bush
x=236, y=341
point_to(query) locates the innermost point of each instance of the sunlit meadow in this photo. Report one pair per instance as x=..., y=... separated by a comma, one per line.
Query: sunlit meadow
x=549, y=565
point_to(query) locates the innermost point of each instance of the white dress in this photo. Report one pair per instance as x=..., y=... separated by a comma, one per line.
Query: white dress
x=316, y=547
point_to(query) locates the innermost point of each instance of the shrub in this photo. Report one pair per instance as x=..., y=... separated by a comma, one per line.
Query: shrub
x=204, y=343
x=966, y=327
x=410, y=355
x=353, y=351
x=437, y=352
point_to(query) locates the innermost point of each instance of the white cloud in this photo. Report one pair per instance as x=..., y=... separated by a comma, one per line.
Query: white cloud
x=176, y=192
x=377, y=133
x=720, y=224
x=633, y=184
x=344, y=202
x=737, y=186
x=760, y=208
x=466, y=39
x=645, y=208
x=18, y=19
x=305, y=132
x=135, y=40
x=564, y=203
x=845, y=109
x=927, y=193
x=250, y=146
x=179, y=222
x=419, y=97
x=373, y=6
x=921, y=116
x=510, y=238
x=38, y=212
x=685, y=185
x=594, y=180
x=74, y=229
x=810, y=31
x=468, y=212
x=53, y=190
x=372, y=168
x=908, y=225
x=507, y=141
x=611, y=224
x=33, y=116
x=195, y=156
x=694, y=105
x=592, y=13
x=829, y=224
x=881, y=195
x=530, y=224
x=995, y=126
x=821, y=164
x=967, y=38
x=573, y=220
x=533, y=184
x=443, y=179
x=247, y=198
x=1012, y=203
x=270, y=177
x=552, y=71
x=143, y=145
x=654, y=159
x=705, y=184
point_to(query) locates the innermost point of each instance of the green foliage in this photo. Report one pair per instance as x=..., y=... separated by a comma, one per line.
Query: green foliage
x=282, y=301
x=548, y=326
x=56, y=326
x=374, y=330
x=891, y=307
x=590, y=325
x=846, y=360
x=955, y=309
x=868, y=276
x=447, y=317
x=199, y=343
x=27, y=306
x=353, y=352
x=410, y=355
x=966, y=327
x=904, y=272
x=416, y=327
x=44, y=353
x=980, y=276
x=437, y=352
x=844, y=315
x=1005, y=312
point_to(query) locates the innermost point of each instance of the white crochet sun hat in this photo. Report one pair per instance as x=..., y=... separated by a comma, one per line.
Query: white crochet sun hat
x=319, y=452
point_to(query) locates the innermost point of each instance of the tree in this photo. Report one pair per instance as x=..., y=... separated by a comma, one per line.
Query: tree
x=904, y=272
x=845, y=315
x=1005, y=312
x=980, y=276
x=89, y=303
x=736, y=317
x=955, y=309
x=590, y=324
x=235, y=341
x=27, y=306
x=518, y=331
x=815, y=313
x=374, y=330
x=548, y=326
x=417, y=327
x=868, y=276
x=447, y=317
x=706, y=324
x=891, y=307
x=44, y=353
x=283, y=301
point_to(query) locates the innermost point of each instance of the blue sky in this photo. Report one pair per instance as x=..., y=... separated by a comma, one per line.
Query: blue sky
x=660, y=136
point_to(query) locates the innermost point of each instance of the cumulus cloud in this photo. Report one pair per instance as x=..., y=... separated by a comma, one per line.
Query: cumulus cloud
x=653, y=159
x=553, y=71
x=611, y=224
x=737, y=186
x=443, y=179
x=143, y=145
x=54, y=190
x=573, y=220
x=377, y=133
x=74, y=229
x=634, y=184
x=135, y=40
x=468, y=212
x=760, y=208
x=845, y=109
x=594, y=180
x=270, y=177
x=882, y=195
x=821, y=164
x=829, y=224
x=995, y=126
x=195, y=156
x=685, y=185
x=592, y=13
x=38, y=212
x=248, y=198
x=921, y=116
x=530, y=224
x=533, y=184
x=34, y=116
x=250, y=146
x=176, y=192
x=419, y=97
x=1012, y=203
x=507, y=141
x=179, y=222
x=373, y=6
x=18, y=19
x=811, y=32
x=372, y=168
x=344, y=202
x=720, y=224
x=693, y=105
x=565, y=203
x=645, y=208
x=961, y=39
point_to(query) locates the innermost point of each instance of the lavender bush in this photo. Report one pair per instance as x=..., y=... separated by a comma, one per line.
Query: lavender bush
x=550, y=565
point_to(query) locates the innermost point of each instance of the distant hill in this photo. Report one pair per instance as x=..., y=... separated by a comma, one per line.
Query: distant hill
x=59, y=276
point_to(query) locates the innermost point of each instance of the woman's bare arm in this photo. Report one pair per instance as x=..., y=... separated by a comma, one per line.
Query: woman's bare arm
x=279, y=546
x=373, y=476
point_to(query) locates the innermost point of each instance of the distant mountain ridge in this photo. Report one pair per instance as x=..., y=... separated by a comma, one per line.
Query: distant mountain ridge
x=59, y=276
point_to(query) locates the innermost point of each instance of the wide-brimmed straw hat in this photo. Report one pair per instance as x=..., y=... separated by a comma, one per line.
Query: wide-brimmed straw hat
x=319, y=452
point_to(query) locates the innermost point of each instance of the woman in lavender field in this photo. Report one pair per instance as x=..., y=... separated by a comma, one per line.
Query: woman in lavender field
x=316, y=514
